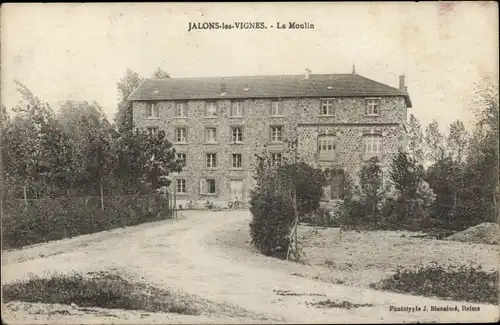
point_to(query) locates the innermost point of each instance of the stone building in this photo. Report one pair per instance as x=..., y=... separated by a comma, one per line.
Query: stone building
x=217, y=124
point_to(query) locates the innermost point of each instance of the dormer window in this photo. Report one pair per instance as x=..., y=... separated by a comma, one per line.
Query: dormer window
x=152, y=110
x=372, y=106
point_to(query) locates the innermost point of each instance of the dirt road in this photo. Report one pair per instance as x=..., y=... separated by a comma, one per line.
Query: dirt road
x=181, y=254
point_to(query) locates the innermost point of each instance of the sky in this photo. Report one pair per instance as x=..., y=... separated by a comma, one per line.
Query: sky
x=80, y=51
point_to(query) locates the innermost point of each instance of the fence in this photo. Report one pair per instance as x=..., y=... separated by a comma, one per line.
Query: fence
x=26, y=222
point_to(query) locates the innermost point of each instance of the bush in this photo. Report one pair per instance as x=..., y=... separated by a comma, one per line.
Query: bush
x=96, y=290
x=278, y=187
x=272, y=217
x=464, y=283
x=51, y=219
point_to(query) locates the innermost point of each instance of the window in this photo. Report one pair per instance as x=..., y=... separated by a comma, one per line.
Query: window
x=237, y=109
x=327, y=107
x=276, y=108
x=181, y=135
x=211, y=160
x=180, y=109
x=152, y=110
x=207, y=186
x=152, y=131
x=276, y=158
x=372, y=106
x=237, y=160
x=211, y=109
x=181, y=186
x=326, y=147
x=237, y=134
x=276, y=133
x=211, y=134
x=372, y=147
x=182, y=157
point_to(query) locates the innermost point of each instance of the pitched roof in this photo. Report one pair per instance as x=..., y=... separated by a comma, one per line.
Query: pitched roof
x=283, y=86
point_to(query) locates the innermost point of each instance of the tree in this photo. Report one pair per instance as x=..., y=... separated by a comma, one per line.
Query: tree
x=124, y=114
x=142, y=162
x=434, y=141
x=457, y=142
x=481, y=171
x=90, y=134
x=283, y=192
x=371, y=187
x=415, y=139
x=37, y=152
x=160, y=74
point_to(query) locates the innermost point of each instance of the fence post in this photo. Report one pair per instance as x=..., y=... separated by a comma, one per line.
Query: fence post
x=102, y=198
x=174, y=212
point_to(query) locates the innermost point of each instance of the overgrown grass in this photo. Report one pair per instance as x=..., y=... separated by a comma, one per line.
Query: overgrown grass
x=334, y=304
x=464, y=283
x=97, y=290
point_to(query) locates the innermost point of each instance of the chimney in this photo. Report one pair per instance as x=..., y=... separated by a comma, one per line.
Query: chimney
x=402, y=83
x=307, y=74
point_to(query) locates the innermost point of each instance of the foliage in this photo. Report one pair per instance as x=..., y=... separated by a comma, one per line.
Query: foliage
x=457, y=142
x=90, y=135
x=160, y=74
x=50, y=219
x=143, y=161
x=272, y=218
x=435, y=142
x=98, y=289
x=412, y=196
x=362, y=204
x=36, y=151
x=465, y=283
x=415, y=139
x=127, y=84
x=279, y=186
x=124, y=115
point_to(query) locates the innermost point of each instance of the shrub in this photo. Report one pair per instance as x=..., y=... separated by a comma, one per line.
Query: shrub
x=96, y=290
x=465, y=283
x=272, y=203
x=272, y=217
x=51, y=219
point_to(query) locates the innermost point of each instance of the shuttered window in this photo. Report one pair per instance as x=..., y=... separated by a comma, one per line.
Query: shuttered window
x=208, y=186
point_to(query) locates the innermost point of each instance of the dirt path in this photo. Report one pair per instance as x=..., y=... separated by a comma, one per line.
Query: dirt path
x=184, y=254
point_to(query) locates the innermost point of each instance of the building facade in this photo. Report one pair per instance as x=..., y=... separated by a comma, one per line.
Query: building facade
x=218, y=124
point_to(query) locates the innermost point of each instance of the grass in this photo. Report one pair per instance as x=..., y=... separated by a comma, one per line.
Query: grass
x=96, y=290
x=464, y=283
x=333, y=304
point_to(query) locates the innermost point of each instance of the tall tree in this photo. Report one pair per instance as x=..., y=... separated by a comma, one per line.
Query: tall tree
x=481, y=173
x=37, y=149
x=124, y=115
x=143, y=161
x=90, y=134
x=434, y=143
x=415, y=139
x=160, y=74
x=457, y=142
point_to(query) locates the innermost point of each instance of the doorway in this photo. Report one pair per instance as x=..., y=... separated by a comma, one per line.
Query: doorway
x=337, y=185
x=236, y=189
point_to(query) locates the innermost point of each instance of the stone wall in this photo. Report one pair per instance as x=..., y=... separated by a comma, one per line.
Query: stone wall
x=301, y=118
